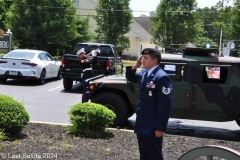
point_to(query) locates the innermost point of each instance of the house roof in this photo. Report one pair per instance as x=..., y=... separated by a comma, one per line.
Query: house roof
x=144, y=21
x=93, y=2
x=139, y=32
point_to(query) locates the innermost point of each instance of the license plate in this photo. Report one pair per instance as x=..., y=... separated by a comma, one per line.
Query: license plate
x=13, y=73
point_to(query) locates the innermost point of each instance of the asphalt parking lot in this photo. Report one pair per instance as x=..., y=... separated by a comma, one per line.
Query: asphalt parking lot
x=48, y=102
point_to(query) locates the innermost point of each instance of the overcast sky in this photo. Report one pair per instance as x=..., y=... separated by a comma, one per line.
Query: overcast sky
x=146, y=6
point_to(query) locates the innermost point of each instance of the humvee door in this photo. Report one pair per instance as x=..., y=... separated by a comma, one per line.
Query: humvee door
x=180, y=76
x=212, y=88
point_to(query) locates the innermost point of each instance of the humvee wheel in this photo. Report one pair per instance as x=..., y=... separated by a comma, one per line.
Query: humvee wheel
x=116, y=103
x=211, y=152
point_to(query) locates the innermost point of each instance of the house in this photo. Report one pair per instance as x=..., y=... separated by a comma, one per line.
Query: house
x=140, y=38
x=139, y=34
x=86, y=8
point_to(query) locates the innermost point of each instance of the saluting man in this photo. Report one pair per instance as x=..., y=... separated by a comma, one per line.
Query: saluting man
x=154, y=103
x=87, y=69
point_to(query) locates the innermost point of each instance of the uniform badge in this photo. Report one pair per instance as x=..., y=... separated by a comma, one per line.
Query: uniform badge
x=150, y=85
x=166, y=91
x=150, y=93
x=146, y=51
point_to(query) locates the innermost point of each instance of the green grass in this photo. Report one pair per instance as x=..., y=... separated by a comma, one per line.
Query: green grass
x=128, y=63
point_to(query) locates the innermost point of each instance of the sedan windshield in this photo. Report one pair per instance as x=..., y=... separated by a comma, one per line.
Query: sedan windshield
x=25, y=55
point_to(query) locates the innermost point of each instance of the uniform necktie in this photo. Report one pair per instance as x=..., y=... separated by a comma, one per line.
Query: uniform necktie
x=145, y=76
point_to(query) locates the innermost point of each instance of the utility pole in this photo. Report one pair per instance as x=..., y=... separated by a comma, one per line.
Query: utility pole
x=220, y=35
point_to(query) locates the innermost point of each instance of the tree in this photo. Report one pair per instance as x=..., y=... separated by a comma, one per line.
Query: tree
x=234, y=28
x=113, y=20
x=207, y=17
x=4, y=6
x=217, y=21
x=175, y=22
x=46, y=24
x=223, y=22
x=2, y=11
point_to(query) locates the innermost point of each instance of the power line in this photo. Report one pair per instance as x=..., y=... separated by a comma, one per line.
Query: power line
x=88, y=9
x=78, y=8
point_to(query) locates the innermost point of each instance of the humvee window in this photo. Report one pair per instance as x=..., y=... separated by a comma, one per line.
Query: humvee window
x=174, y=71
x=170, y=69
x=214, y=74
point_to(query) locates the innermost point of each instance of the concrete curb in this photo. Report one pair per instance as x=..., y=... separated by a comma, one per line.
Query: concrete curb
x=41, y=122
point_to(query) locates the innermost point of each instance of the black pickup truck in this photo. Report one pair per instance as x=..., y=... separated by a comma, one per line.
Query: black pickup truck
x=108, y=62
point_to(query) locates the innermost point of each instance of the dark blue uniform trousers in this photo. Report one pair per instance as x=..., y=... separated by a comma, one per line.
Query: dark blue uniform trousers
x=87, y=73
x=85, y=97
x=150, y=147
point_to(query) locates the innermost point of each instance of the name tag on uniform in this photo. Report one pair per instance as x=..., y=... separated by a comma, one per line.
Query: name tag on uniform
x=150, y=85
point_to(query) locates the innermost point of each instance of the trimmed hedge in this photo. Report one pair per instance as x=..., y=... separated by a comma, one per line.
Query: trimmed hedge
x=13, y=116
x=90, y=118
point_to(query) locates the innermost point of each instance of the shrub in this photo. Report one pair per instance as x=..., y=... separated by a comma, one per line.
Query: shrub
x=2, y=54
x=89, y=118
x=13, y=116
x=2, y=136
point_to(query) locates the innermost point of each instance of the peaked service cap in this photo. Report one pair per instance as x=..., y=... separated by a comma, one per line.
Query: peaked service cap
x=81, y=51
x=151, y=51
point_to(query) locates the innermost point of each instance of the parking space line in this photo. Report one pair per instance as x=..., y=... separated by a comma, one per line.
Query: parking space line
x=54, y=88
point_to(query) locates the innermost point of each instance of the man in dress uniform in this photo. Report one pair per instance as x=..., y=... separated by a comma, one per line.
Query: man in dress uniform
x=86, y=64
x=154, y=103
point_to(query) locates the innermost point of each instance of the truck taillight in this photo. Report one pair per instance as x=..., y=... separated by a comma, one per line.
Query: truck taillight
x=63, y=62
x=108, y=65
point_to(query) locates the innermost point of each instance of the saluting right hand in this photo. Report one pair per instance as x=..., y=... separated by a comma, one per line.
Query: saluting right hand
x=138, y=63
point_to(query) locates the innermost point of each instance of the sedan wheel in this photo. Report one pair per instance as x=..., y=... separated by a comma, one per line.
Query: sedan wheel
x=41, y=80
x=59, y=73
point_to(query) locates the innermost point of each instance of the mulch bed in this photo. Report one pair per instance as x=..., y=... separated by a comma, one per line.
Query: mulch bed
x=44, y=141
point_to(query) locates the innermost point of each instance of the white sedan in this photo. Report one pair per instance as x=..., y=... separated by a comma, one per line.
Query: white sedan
x=29, y=64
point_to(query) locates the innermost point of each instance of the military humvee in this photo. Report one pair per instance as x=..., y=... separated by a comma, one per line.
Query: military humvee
x=206, y=86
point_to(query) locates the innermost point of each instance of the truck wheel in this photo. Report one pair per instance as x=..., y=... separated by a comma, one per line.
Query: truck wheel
x=3, y=80
x=67, y=83
x=238, y=121
x=116, y=103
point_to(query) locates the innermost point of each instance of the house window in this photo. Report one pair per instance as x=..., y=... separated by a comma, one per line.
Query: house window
x=77, y=3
